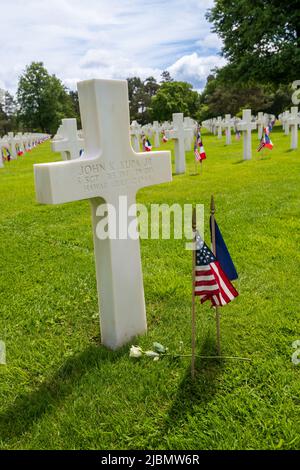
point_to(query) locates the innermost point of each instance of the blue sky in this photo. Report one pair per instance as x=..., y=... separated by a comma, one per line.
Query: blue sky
x=79, y=39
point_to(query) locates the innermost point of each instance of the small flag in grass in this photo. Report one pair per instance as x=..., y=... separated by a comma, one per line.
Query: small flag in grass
x=211, y=283
x=164, y=137
x=199, y=150
x=266, y=141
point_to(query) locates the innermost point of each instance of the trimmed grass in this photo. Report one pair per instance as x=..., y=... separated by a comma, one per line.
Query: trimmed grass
x=62, y=390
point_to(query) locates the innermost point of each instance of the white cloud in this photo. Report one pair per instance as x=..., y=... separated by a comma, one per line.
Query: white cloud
x=106, y=38
x=194, y=68
x=211, y=41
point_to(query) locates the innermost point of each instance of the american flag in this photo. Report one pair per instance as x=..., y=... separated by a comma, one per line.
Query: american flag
x=199, y=151
x=211, y=283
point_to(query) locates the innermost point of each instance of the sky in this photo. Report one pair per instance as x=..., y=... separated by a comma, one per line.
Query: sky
x=83, y=39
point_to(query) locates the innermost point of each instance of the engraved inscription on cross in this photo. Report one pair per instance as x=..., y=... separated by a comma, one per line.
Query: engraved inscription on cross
x=108, y=170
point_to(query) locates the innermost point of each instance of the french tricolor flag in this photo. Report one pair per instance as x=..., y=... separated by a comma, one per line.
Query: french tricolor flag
x=148, y=146
x=202, y=152
x=268, y=142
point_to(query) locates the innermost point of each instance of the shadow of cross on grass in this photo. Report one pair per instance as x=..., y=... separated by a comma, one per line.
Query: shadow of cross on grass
x=28, y=409
x=192, y=395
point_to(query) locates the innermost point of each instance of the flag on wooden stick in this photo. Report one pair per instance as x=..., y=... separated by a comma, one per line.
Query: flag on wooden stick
x=199, y=150
x=211, y=283
x=266, y=141
x=164, y=137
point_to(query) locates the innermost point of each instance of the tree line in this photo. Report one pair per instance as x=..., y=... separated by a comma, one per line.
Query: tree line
x=261, y=42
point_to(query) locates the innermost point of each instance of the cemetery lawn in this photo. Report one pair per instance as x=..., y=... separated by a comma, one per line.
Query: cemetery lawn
x=62, y=390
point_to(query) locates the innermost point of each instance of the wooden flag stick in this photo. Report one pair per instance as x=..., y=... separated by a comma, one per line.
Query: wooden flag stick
x=193, y=295
x=214, y=249
x=196, y=169
x=195, y=160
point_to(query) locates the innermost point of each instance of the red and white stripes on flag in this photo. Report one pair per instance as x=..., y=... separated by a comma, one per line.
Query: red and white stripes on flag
x=213, y=284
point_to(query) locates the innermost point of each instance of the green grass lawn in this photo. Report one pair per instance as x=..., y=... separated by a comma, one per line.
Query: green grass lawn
x=62, y=390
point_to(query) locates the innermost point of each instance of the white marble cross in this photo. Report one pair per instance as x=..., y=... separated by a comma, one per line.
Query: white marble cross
x=108, y=170
x=214, y=126
x=219, y=127
x=294, y=122
x=19, y=141
x=247, y=126
x=178, y=134
x=135, y=132
x=2, y=145
x=12, y=144
x=261, y=124
x=156, y=130
x=67, y=141
x=189, y=129
x=228, y=125
x=286, y=123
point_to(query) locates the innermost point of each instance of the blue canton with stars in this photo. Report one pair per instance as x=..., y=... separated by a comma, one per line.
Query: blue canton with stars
x=204, y=256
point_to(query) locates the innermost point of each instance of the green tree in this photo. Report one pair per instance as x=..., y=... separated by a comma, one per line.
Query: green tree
x=7, y=113
x=261, y=39
x=218, y=98
x=135, y=90
x=151, y=87
x=166, y=77
x=75, y=102
x=43, y=100
x=140, y=95
x=175, y=97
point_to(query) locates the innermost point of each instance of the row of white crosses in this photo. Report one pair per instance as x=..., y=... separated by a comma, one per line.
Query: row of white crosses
x=290, y=122
x=181, y=130
x=284, y=118
x=262, y=121
x=108, y=170
x=150, y=130
x=216, y=125
x=246, y=126
x=20, y=143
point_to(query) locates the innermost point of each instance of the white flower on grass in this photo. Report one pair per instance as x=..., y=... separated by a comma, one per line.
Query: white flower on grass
x=156, y=359
x=152, y=354
x=135, y=352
